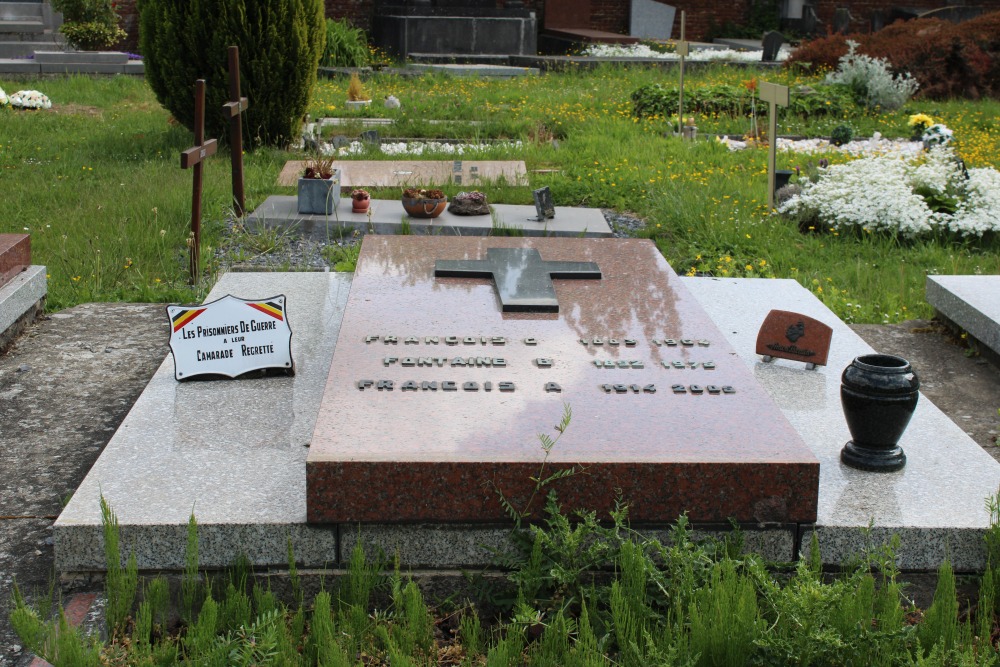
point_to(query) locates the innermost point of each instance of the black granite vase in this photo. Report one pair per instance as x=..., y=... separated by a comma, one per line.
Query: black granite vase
x=878, y=393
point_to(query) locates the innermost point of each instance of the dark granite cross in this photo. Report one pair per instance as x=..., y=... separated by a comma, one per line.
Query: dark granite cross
x=194, y=157
x=233, y=108
x=523, y=280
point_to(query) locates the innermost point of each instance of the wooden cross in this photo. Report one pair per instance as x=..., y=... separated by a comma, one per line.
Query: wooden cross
x=194, y=157
x=234, y=109
x=683, y=49
x=777, y=96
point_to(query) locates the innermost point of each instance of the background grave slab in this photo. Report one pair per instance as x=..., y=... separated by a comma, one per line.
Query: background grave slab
x=972, y=303
x=416, y=173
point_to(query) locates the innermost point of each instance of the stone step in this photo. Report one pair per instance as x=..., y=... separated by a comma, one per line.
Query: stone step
x=21, y=11
x=20, y=27
x=25, y=48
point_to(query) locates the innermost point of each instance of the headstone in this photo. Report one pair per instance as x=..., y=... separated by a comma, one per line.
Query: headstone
x=371, y=137
x=235, y=108
x=772, y=43
x=841, y=20
x=194, y=158
x=651, y=20
x=436, y=396
x=544, y=205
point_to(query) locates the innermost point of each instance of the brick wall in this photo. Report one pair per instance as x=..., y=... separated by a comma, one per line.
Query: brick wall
x=613, y=15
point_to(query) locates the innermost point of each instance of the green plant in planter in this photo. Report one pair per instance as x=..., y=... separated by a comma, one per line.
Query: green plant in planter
x=841, y=135
x=89, y=25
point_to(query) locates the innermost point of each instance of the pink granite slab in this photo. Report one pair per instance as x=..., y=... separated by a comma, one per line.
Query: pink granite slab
x=396, y=455
x=15, y=255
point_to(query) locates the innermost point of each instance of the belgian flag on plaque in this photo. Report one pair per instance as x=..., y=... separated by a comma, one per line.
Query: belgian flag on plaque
x=230, y=337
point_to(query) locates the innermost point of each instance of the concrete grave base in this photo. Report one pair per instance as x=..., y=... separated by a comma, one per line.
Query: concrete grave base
x=387, y=217
x=233, y=452
x=971, y=304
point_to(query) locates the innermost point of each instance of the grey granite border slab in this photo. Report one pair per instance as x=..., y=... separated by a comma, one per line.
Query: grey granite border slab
x=280, y=212
x=938, y=498
x=971, y=302
x=231, y=451
x=20, y=294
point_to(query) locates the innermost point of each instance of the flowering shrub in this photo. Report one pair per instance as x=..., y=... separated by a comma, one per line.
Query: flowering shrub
x=907, y=196
x=872, y=81
x=30, y=99
x=948, y=59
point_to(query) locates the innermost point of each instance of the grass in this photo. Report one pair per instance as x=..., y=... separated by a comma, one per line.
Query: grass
x=578, y=592
x=109, y=208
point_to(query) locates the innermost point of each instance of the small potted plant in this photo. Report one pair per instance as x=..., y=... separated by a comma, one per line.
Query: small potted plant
x=360, y=200
x=421, y=203
x=319, y=187
x=357, y=96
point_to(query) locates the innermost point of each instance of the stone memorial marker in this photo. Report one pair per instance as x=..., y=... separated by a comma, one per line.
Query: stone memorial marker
x=230, y=336
x=194, y=158
x=234, y=108
x=371, y=137
x=436, y=394
x=771, y=42
x=777, y=96
x=15, y=256
x=544, y=205
x=788, y=335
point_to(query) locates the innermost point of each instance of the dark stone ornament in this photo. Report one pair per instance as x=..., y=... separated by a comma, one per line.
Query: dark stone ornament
x=879, y=394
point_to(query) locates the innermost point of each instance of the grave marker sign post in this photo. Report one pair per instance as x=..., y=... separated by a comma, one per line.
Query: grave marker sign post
x=683, y=48
x=194, y=158
x=776, y=95
x=234, y=108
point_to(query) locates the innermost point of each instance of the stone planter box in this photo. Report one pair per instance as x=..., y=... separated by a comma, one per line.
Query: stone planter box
x=319, y=196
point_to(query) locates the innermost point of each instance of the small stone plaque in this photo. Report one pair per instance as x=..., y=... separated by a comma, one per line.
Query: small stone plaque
x=230, y=337
x=788, y=335
x=544, y=205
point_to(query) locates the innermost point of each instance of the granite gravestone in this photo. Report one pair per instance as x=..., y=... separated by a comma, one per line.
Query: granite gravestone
x=436, y=395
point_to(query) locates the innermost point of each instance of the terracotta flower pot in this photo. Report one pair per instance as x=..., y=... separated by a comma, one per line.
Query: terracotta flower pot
x=424, y=208
x=360, y=205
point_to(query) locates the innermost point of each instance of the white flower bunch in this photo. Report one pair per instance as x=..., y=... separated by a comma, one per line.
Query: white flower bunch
x=896, y=193
x=419, y=147
x=3, y=98
x=937, y=135
x=30, y=99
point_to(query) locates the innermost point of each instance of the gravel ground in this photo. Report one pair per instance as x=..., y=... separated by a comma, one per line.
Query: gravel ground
x=242, y=250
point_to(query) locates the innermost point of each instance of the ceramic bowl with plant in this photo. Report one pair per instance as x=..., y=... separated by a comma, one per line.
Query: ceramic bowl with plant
x=424, y=203
x=357, y=96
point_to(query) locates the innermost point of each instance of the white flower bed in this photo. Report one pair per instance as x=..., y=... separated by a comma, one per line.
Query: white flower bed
x=3, y=98
x=30, y=99
x=643, y=51
x=420, y=147
x=890, y=193
x=877, y=145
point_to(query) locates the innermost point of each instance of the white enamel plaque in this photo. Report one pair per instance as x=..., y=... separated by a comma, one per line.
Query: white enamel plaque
x=230, y=336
